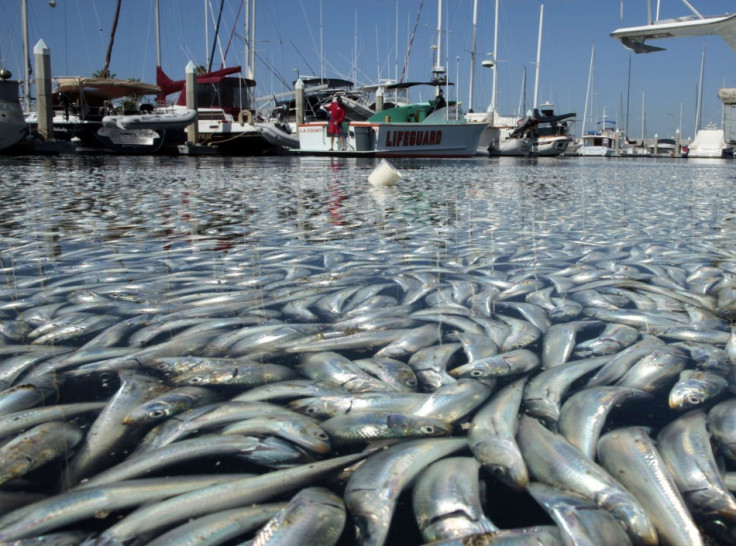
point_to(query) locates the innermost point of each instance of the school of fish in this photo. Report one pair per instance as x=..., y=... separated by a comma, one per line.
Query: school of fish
x=375, y=369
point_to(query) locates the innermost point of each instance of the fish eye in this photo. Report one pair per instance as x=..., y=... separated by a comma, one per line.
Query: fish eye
x=476, y=373
x=322, y=436
x=157, y=413
x=310, y=411
x=693, y=400
x=428, y=429
x=196, y=379
x=411, y=383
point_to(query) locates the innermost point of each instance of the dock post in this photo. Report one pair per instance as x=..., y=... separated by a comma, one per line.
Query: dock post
x=191, y=86
x=299, y=98
x=379, y=99
x=44, y=106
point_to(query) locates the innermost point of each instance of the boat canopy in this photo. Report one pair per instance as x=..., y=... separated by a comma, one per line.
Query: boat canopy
x=104, y=89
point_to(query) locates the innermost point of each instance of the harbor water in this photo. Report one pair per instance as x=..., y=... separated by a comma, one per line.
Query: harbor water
x=229, y=244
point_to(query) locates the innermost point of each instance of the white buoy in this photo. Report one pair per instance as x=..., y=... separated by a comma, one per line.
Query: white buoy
x=384, y=175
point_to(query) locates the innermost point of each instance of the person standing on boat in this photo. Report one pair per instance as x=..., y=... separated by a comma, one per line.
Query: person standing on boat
x=337, y=116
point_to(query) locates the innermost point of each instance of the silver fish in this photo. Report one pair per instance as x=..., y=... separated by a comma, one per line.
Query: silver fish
x=544, y=392
x=492, y=436
x=230, y=494
x=373, y=489
x=137, y=466
x=685, y=446
x=695, y=387
x=580, y=520
x=36, y=447
x=553, y=460
x=722, y=425
x=339, y=370
x=299, y=429
x=631, y=456
x=315, y=515
x=219, y=527
x=510, y=363
x=447, y=500
x=583, y=415
x=79, y=504
x=656, y=370
x=366, y=426
x=430, y=365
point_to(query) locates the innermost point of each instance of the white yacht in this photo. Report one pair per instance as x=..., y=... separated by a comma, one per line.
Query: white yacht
x=12, y=124
x=710, y=142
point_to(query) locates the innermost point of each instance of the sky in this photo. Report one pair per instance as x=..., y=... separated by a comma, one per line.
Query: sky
x=370, y=40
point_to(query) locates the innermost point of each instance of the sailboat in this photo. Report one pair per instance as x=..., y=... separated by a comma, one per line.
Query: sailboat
x=501, y=136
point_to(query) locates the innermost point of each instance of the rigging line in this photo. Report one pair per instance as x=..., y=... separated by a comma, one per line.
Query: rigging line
x=217, y=29
x=227, y=47
x=302, y=56
x=411, y=41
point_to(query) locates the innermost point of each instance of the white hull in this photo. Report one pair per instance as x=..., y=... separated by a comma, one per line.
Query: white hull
x=710, y=143
x=278, y=137
x=395, y=139
x=596, y=151
x=12, y=123
x=176, y=119
x=551, y=146
x=496, y=140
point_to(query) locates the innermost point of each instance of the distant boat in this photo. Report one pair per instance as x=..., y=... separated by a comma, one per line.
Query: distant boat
x=12, y=125
x=710, y=142
x=551, y=131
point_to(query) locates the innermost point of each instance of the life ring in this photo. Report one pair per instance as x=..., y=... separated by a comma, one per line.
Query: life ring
x=245, y=116
x=520, y=122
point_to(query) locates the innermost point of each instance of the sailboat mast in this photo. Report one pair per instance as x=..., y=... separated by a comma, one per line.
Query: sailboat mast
x=158, y=34
x=494, y=106
x=438, y=70
x=247, y=39
x=472, y=55
x=252, y=67
x=539, y=55
x=26, y=58
x=587, y=92
x=106, y=69
x=699, y=106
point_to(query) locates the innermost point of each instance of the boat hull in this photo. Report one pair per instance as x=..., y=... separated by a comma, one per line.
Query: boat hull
x=395, y=139
x=12, y=124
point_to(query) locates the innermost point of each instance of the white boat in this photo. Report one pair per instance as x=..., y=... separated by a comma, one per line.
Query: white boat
x=500, y=136
x=551, y=132
x=166, y=118
x=710, y=142
x=635, y=38
x=12, y=124
x=605, y=143
x=415, y=130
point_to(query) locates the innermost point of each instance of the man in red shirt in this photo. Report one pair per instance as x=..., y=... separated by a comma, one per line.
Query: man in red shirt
x=337, y=116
